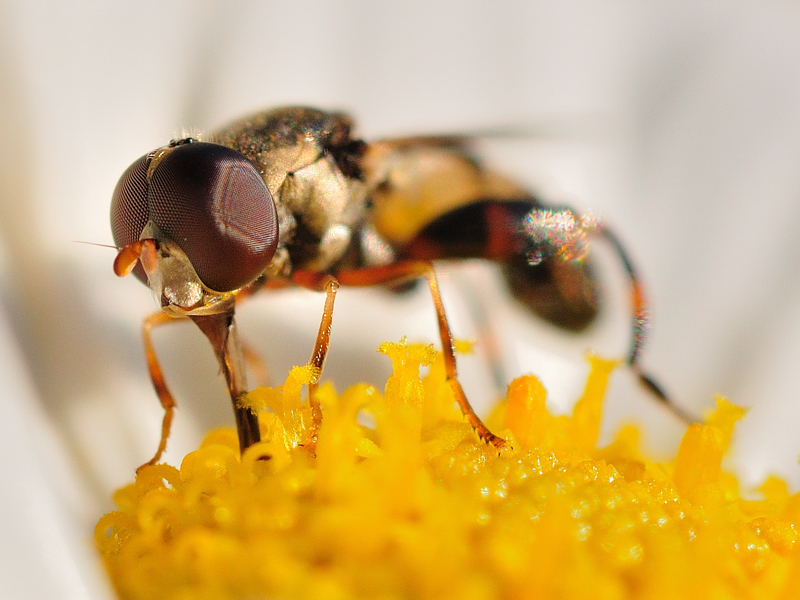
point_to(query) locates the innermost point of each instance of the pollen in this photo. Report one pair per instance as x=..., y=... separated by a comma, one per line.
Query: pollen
x=398, y=498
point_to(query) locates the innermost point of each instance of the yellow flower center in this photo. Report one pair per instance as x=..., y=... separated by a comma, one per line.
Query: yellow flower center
x=399, y=499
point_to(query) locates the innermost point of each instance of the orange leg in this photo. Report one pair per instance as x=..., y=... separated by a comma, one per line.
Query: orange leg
x=251, y=357
x=487, y=336
x=640, y=323
x=258, y=367
x=328, y=283
x=157, y=377
x=402, y=271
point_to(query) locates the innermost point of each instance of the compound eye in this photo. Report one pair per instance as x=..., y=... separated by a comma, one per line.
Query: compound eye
x=214, y=204
x=129, y=211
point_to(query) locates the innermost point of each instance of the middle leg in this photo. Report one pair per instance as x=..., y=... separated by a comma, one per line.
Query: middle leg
x=403, y=271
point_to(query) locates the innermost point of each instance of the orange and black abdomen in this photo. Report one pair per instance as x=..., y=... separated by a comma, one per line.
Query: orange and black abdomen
x=562, y=292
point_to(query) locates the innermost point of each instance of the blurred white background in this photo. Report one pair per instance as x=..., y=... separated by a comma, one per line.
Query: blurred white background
x=678, y=122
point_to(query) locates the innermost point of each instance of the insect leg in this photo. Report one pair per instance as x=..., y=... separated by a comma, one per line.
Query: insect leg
x=220, y=329
x=157, y=377
x=251, y=356
x=486, y=334
x=639, y=328
x=254, y=360
x=402, y=271
x=328, y=283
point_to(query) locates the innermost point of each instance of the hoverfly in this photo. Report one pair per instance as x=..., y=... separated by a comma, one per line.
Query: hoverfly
x=291, y=197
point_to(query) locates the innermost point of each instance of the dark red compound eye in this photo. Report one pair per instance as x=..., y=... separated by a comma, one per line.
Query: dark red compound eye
x=129, y=212
x=212, y=202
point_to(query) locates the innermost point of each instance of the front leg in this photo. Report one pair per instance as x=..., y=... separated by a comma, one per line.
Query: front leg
x=318, y=282
x=159, y=383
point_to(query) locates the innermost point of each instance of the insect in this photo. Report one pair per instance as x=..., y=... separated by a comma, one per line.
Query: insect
x=290, y=197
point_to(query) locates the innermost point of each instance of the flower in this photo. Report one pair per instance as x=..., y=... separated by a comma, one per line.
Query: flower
x=414, y=505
